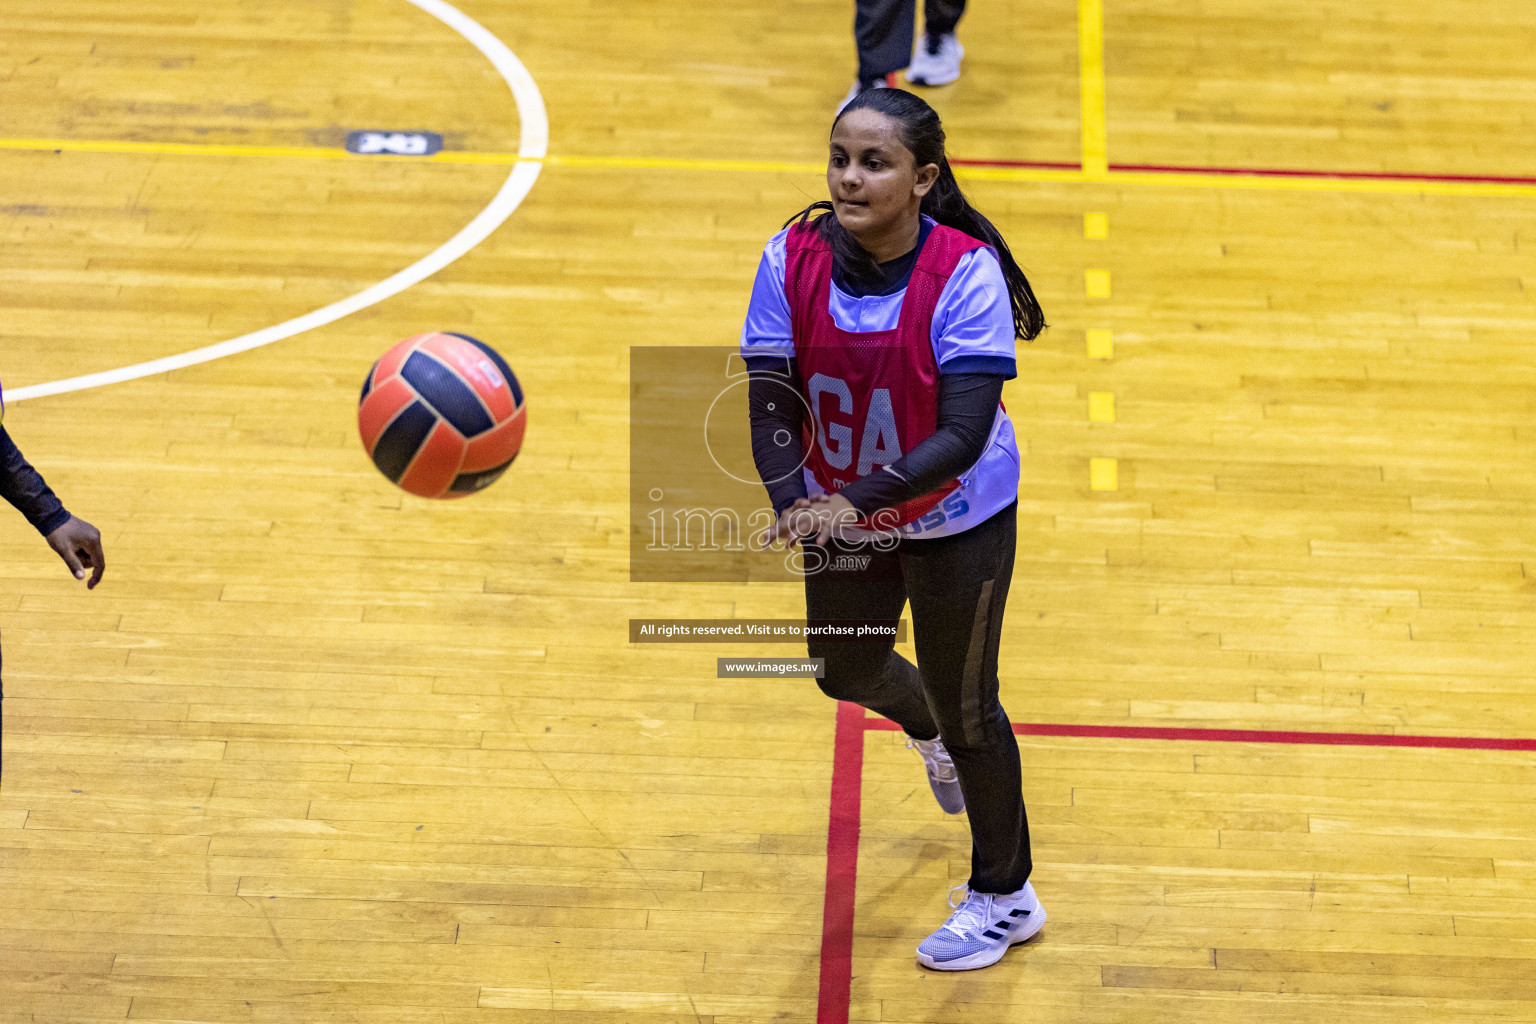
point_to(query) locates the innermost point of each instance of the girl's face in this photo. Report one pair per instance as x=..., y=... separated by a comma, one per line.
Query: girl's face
x=875, y=183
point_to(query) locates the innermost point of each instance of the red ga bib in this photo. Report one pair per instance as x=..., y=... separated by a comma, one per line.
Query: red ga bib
x=873, y=395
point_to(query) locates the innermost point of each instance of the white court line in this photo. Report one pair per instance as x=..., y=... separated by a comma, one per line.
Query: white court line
x=533, y=145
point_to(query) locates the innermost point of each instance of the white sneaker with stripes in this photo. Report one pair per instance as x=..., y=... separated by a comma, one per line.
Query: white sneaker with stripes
x=981, y=929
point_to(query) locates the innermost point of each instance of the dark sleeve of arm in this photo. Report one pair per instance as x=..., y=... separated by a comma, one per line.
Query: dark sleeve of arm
x=773, y=401
x=967, y=410
x=21, y=485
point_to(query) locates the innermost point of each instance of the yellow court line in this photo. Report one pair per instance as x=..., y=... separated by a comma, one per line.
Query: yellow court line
x=1261, y=182
x=663, y=163
x=1037, y=175
x=443, y=157
x=1289, y=183
x=1090, y=54
x=173, y=148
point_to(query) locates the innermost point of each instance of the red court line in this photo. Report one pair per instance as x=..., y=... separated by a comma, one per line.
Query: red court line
x=1332, y=739
x=1041, y=165
x=842, y=866
x=1272, y=172
x=1264, y=172
x=848, y=775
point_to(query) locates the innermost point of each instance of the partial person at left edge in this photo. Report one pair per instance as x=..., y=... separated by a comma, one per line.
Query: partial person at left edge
x=76, y=541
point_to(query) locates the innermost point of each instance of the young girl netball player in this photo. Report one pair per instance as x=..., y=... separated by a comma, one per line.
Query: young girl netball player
x=892, y=316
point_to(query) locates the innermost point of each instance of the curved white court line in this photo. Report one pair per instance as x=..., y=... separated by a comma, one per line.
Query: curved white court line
x=533, y=144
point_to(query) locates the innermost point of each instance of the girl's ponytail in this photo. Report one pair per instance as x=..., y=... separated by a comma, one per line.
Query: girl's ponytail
x=946, y=203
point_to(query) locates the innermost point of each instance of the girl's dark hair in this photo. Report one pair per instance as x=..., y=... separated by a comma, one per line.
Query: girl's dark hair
x=920, y=131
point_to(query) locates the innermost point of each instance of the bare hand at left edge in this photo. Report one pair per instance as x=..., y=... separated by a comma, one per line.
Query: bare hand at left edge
x=79, y=544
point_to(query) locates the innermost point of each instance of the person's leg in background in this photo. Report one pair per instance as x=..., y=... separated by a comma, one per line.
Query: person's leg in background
x=937, y=60
x=882, y=30
x=941, y=16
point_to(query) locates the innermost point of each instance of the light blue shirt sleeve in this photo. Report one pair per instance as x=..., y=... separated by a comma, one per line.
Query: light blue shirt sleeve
x=973, y=320
x=768, y=330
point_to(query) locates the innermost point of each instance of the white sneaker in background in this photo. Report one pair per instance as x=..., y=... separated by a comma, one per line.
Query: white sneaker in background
x=937, y=61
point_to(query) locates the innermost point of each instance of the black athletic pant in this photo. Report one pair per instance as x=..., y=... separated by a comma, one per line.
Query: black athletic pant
x=883, y=31
x=958, y=587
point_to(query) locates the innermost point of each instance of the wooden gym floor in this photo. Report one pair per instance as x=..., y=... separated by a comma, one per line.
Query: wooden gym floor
x=316, y=752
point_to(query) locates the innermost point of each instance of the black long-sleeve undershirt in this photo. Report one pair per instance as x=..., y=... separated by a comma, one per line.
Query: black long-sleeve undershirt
x=967, y=409
x=777, y=412
x=23, y=487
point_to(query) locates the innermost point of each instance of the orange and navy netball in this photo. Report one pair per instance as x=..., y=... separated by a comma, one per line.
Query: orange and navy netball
x=442, y=415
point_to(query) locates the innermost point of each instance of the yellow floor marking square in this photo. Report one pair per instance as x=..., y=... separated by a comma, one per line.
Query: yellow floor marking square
x=1101, y=407
x=1095, y=225
x=1097, y=283
x=1101, y=343
x=1103, y=474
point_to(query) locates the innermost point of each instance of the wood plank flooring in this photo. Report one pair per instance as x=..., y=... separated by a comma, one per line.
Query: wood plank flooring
x=317, y=751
